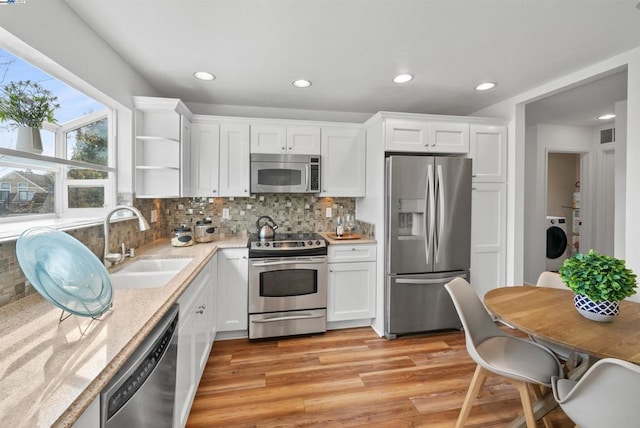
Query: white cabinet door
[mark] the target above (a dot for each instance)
(201, 328)
(351, 291)
(343, 162)
(234, 159)
(488, 149)
(205, 159)
(233, 289)
(406, 135)
(449, 137)
(488, 236)
(213, 298)
(303, 140)
(268, 139)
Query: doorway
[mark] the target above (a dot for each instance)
(563, 196)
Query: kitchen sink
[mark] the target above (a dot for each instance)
(155, 265)
(148, 273)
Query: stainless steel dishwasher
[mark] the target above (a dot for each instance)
(142, 393)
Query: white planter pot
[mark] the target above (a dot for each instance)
(29, 140)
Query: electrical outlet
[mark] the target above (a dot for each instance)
(154, 216)
(225, 213)
(328, 212)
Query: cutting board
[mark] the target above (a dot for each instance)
(344, 237)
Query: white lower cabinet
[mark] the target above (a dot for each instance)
(351, 282)
(194, 342)
(233, 289)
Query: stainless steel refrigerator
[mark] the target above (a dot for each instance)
(428, 236)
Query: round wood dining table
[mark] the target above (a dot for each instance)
(549, 313)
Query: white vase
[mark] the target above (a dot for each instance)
(29, 140)
(604, 311)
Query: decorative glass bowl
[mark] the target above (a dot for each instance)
(64, 271)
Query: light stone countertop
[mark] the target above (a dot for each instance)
(50, 371)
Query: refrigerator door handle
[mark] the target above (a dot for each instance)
(430, 213)
(426, 281)
(442, 214)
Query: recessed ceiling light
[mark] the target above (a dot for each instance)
(485, 86)
(301, 83)
(606, 116)
(203, 75)
(402, 78)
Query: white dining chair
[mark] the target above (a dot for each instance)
(553, 280)
(606, 396)
(520, 361)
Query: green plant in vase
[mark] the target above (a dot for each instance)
(27, 105)
(599, 283)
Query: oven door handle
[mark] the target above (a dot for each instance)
(288, 318)
(287, 262)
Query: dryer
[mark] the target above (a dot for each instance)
(557, 242)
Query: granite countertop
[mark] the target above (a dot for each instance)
(51, 371)
(331, 239)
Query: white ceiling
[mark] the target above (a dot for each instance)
(351, 49)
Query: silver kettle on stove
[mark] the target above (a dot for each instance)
(267, 229)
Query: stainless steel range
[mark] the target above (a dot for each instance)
(287, 285)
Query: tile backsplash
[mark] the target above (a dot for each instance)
(292, 213)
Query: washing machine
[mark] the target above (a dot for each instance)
(557, 242)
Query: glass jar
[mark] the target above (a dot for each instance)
(204, 230)
(182, 237)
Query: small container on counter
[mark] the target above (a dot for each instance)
(182, 237)
(204, 230)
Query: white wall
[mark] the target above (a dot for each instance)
(513, 110)
(620, 180)
(49, 35)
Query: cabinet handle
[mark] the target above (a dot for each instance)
(474, 188)
(214, 191)
(284, 148)
(200, 311)
(290, 148)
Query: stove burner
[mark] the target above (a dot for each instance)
(287, 244)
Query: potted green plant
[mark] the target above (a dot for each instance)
(599, 282)
(27, 104)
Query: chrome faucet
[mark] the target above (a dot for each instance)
(113, 258)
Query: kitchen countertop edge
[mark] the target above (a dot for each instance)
(156, 304)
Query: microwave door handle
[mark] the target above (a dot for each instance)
(307, 182)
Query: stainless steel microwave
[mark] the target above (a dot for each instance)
(274, 173)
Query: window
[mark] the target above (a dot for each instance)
(72, 173)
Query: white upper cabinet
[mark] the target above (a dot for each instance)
(343, 162)
(488, 150)
(285, 139)
(234, 159)
(423, 135)
(205, 159)
(162, 148)
(449, 137)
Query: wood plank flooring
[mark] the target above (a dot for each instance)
(347, 378)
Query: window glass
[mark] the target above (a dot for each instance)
(33, 192)
(76, 131)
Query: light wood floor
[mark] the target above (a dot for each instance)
(348, 378)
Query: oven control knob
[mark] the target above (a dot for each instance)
(258, 244)
(266, 244)
(317, 242)
(310, 243)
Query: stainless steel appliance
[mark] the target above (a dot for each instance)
(267, 229)
(287, 285)
(428, 232)
(142, 393)
(273, 173)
